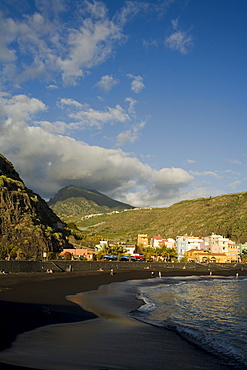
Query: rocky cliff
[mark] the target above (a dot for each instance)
(28, 227)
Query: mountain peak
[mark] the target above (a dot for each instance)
(73, 200)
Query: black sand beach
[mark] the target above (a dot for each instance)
(32, 300)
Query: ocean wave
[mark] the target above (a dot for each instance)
(210, 343)
(209, 312)
(148, 305)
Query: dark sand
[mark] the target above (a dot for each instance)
(32, 300)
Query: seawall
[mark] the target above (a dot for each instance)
(69, 266)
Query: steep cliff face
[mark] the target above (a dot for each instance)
(28, 227)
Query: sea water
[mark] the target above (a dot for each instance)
(209, 312)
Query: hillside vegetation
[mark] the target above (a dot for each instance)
(73, 201)
(225, 215)
(28, 227)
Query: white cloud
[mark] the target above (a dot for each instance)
(179, 40)
(232, 172)
(89, 46)
(130, 135)
(34, 51)
(83, 115)
(46, 45)
(191, 161)
(70, 102)
(150, 43)
(47, 161)
(52, 87)
(234, 184)
(132, 102)
(162, 188)
(57, 127)
(136, 85)
(19, 107)
(206, 173)
(234, 161)
(107, 82)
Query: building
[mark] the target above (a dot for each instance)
(158, 241)
(170, 243)
(242, 249)
(103, 245)
(142, 240)
(219, 244)
(185, 243)
(130, 249)
(79, 253)
(233, 252)
(204, 256)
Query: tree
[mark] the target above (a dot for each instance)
(9, 252)
(148, 252)
(119, 250)
(166, 252)
(244, 255)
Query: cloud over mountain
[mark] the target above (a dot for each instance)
(49, 162)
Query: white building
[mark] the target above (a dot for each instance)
(103, 244)
(158, 241)
(185, 243)
(130, 249)
(219, 244)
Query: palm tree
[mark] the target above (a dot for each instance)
(148, 252)
(167, 252)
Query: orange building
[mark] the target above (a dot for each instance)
(79, 253)
(142, 240)
(205, 256)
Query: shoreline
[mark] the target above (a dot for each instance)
(34, 300)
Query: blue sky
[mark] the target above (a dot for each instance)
(144, 101)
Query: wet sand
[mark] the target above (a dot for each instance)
(33, 300)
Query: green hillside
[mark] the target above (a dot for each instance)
(28, 227)
(225, 215)
(73, 201)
